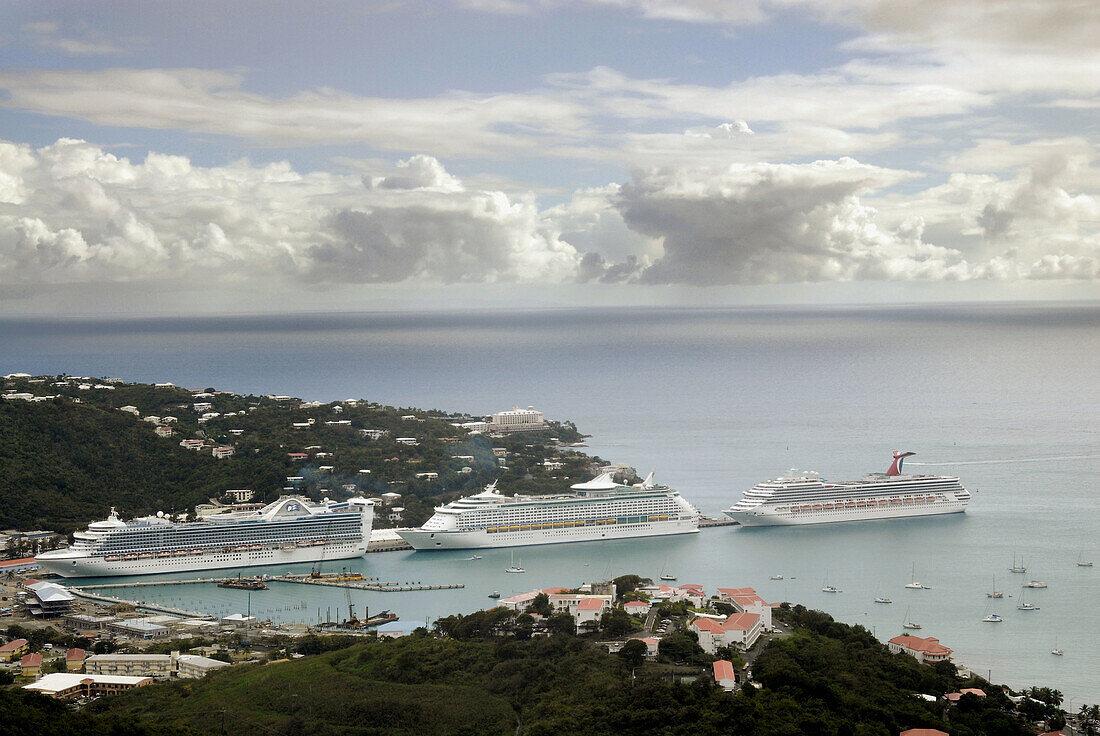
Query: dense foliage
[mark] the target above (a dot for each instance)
(68, 459)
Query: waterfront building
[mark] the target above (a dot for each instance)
(69, 686)
(517, 420)
(746, 600)
(924, 650)
(46, 600)
(739, 629)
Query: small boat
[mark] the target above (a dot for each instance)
(994, 593)
(913, 584)
(830, 589)
(1025, 606)
(908, 623)
(1035, 584)
(1017, 568)
(883, 600)
(1083, 562)
(495, 594)
(1056, 651)
(992, 619)
(777, 577)
(476, 557)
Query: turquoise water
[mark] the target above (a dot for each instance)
(716, 400)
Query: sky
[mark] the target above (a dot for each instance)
(401, 154)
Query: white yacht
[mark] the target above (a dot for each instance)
(802, 497)
(292, 529)
(595, 510)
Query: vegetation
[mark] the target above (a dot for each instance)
(484, 674)
(67, 459)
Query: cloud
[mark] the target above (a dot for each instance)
(73, 212)
(46, 35)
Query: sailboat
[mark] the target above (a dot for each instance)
(1017, 568)
(826, 588)
(1024, 605)
(513, 567)
(1056, 651)
(909, 623)
(913, 581)
(994, 593)
(883, 600)
(665, 574)
(1082, 562)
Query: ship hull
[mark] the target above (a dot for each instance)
(769, 515)
(92, 566)
(422, 539)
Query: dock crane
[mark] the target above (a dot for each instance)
(353, 622)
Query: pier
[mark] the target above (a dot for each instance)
(377, 587)
(138, 604)
(706, 522)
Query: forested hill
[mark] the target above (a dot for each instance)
(828, 679)
(66, 460)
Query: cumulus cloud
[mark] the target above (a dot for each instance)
(75, 212)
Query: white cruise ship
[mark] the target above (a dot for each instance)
(292, 529)
(801, 497)
(598, 509)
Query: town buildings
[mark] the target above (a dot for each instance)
(69, 685)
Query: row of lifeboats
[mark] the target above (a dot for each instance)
(857, 504)
(165, 553)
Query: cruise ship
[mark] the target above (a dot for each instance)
(292, 529)
(595, 510)
(801, 497)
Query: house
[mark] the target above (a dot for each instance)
(164, 431)
(69, 686)
(192, 444)
(924, 650)
(739, 629)
(13, 650)
(410, 441)
(168, 420)
(130, 410)
(636, 608)
(152, 419)
(582, 606)
(395, 513)
(724, 676)
(297, 455)
(549, 464)
(30, 665)
(223, 451)
(520, 601)
(590, 610)
(746, 600)
(651, 645)
(301, 425)
(374, 434)
(390, 498)
(955, 697)
(74, 660)
(240, 495)
(923, 732)
(428, 476)
(202, 407)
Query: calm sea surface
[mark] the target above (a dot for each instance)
(1007, 397)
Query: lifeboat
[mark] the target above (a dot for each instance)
(130, 557)
(111, 558)
(303, 543)
(828, 506)
(317, 542)
(196, 551)
(288, 548)
(256, 546)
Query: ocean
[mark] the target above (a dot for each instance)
(715, 400)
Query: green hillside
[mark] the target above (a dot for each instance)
(64, 461)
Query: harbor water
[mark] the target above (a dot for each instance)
(1006, 397)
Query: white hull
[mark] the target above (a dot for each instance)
(87, 567)
(767, 515)
(480, 539)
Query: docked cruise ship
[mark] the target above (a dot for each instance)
(292, 529)
(801, 497)
(598, 509)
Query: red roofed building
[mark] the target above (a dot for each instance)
(74, 659)
(723, 675)
(923, 732)
(13, 650)
(590, 609)
(636, 607)
(927, 651)
(739, 629)
(651, 644)
(31, 664)
(746, 600)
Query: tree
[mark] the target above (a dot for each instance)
(629, 583)
(634, 652)
(616, 622)
(541, 605)
(561, 623)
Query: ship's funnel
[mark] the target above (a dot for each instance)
(899, 458)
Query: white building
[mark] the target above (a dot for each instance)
(164, 431)
(927, 651)
(130, 410)
(223, 451)
(70, 685)
(374, 434)
(192, 444)
(517, 420)
(410, 441)
(746, 600)
(240, 495)
(390, 498)
(194, 665)
(741, 630)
